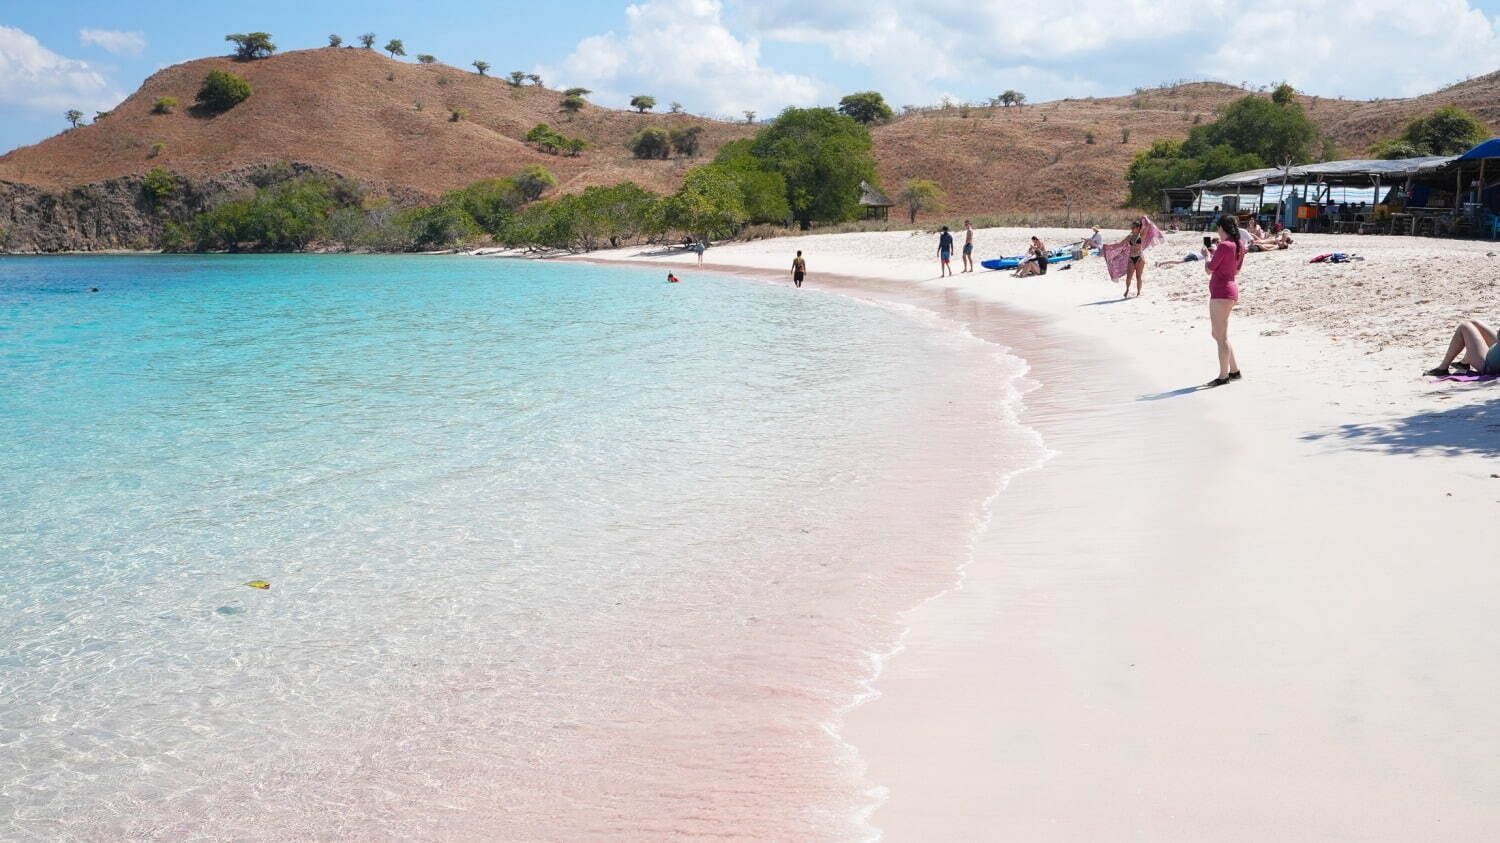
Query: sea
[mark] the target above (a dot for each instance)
(555, 550)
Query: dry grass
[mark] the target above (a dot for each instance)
(356, 112)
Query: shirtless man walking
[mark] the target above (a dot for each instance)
(968, 247)
(799, 269)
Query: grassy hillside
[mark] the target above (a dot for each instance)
(356, 112)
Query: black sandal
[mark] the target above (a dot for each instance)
(1217, 382)
(1439, 372)
(1235, 375)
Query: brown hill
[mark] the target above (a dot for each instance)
(358, 113)
(385, 122)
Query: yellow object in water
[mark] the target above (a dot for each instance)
(260, 584)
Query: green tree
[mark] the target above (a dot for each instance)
(256, 45)
(367, 40)
(675, 107)
(1396, 148)
(867, 107)
(708, 206)
(749, 118)
(642, 103)
(438, 226)
(517, 77)
(481, 66)
(1271, 132)
(74, 117)
(651, 142)
(335, 40)
(163, 105)
(823, 155)
(395, 47)
(426, 58)
(222, 91)
(921, 195)
(534, 79)
(686, 141)
(158, 185)
(490, 203)
(575, 146)
(571, 104)
(533, 181)
(1447, 131)
(100, 115)
(1284, 94)
(577, 92)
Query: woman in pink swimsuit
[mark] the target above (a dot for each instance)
(1222, 269)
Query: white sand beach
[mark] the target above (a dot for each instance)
(1263, 611)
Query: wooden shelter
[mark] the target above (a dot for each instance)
(876, 204)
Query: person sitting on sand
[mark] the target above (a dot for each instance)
(1036, 260)
(1256, 232)
(1202, 254)
(1477, 343)
(1094, 241)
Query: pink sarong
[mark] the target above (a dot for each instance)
(1117, 255)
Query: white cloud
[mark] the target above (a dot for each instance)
(682, 50)
(113, 40)
(1374, 48)
(1087, 47)
(32, 76)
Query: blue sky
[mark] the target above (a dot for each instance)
(722, 57)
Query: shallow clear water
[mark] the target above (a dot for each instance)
(556, 550)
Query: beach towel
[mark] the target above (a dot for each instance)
(1117, 255)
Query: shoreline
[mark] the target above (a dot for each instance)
(1182, 626)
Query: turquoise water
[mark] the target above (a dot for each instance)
(556, 550)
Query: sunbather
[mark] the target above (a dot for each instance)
(1476, 342)
(1202, 254)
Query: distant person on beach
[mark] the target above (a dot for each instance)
(1036, 259)
(672, 279)
(1476, 341)
(1223, 293)
(945, 252)
(699, 248)
(1136, 240)
(1094, 241)
(799, 269)
(1202, 254)
(968, 247)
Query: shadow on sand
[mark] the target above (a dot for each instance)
(1186, 390)
(1103, 301)
(1466, 430)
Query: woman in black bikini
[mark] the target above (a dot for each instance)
(1137, 267)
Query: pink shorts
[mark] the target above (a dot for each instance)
(1227, 290)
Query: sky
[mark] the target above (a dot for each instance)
(725, 57)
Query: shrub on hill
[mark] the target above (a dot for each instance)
(367, 40)
(395, 47)
(651, 142)
(480, 66)
(867, 107)
(548, 140)
(426, 58)
(222, 91)
(571, 104)
(73, 116)
(163, 105)
(1446, 131)
(642, 103)
(158, 185)
(686, 141)
(335, 40)
(256, 45)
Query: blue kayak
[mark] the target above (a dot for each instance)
(1054, 256)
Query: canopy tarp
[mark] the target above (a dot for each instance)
(1488, 149)
(1359, 170)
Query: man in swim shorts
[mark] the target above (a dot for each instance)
(968, 247)
(945, 252)
(799, 269)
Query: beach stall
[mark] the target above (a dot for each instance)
(1464, 195)
(1354, 196)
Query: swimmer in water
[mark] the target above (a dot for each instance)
(672, 279)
